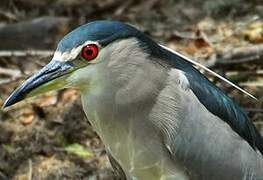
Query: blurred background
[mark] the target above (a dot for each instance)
(48, 137)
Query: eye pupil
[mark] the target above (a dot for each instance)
(89, 52)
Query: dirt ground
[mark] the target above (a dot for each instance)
(48, 137)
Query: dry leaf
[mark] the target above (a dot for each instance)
(26, 117)
(78, 150)
(201, 43)
(69, 95)
(48, 100)
(254, 33)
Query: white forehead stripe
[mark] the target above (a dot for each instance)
(72, 54)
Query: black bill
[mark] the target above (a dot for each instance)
(48, 78)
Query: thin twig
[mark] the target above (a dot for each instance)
(20, 53)
(8, 15)
(237, 56)
(256, 110)
(252, 84)
(185, 35)
(10, 72)
(244, 52)
(10, 80)
(247, 59)
(235, 73)
(30, 171)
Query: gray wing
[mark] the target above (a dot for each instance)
(120, 175)
(205, 145)
(216, 101)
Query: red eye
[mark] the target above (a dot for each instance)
(89, 52)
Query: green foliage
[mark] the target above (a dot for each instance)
(8, 148)
(78, 150)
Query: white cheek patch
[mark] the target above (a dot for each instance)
(72, 54)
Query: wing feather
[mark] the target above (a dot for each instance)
(215, 100)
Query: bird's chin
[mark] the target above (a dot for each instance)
(55, 84)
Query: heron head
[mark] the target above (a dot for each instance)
(77, 58)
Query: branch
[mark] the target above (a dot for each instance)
(10, 72)
(40, 33)
(21, 53)
(237, 56)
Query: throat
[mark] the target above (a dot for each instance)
(129, 135)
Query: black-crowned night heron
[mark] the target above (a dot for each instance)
(157, 115)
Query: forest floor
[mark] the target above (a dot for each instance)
(48, 137)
